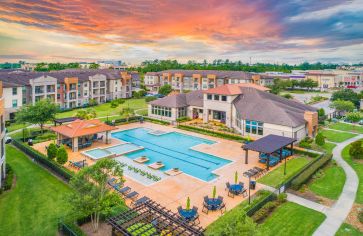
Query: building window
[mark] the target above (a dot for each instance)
(182, 112)
(15, 91)
(15, 103)
(254, 127)
(39, 89)
(216, 97)
(24, 101)
(161, 111)
(224, 98)
(209, 96)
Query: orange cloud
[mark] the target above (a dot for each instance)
(148, 21)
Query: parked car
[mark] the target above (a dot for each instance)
(360, 122)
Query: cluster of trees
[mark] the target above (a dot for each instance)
(348, 95)
(165, 89)
(55, 66)
(280, 85)
(60, 154)
(158, 65)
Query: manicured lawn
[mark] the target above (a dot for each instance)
(329, 183)
(358, 167)
(277, 177)
(223, 221)
(348, 230)
(14, 126)
(292, 219)
(105, 109)
(347, 127)
(37, 201)
(337, 137)
(327, 147)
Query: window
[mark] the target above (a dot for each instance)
(216, 97)
(161, 111)
(39, 89)
(24, 101)
(209, 96)
(15, 91)
(182, 112)
(15, 103)
(254, 127)
(224, 98)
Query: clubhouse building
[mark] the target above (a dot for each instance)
(248, 108)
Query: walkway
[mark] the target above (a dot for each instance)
(337, 214)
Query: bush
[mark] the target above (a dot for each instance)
(212, 133)
(265, 211)
(304, 144)
(320, 139)
(62, 155)
(149, 99)
(360, 216)
(282, 197)
(8, 183)
(114, 104)
(160, 122)
(52, 151)
(183, 119)
(356, 150)
(305, 175)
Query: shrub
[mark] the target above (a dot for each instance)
(52, 151)
(265, 211)
(212, 133)
(320, 139)
(304, 144)
(114, 104)
(360, 216)
(183, 119)
(356, 150)
(309, 171)
(149, 99)
(282, 197)
(62, 155)
(9, 177)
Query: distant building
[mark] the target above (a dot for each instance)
(2, 137)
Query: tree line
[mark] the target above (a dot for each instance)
(159, 65)
(61, 66)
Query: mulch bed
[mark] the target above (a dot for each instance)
(352, 218)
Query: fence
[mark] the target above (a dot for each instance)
(43, 160)
(68, 230)
(252, 210)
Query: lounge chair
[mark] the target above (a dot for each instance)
(111, 181)
(132, 195)
(123, 190)
(140, 201)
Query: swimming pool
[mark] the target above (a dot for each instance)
(113, 151)
(174, 150)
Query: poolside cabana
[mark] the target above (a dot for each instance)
(150, 218)
(81, 133)
(268, 145)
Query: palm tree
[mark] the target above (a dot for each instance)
(86, 114)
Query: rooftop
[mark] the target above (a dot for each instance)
(234, 89)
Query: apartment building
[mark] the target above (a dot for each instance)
(248, 108)
(200, 79)
(2, 136)
(68, 88)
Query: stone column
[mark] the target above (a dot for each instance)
(75, 144)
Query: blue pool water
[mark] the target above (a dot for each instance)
(174, 150)
(120, 149)
(97, 153)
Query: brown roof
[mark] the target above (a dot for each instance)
(257, 105)
(234, 89)
(80, 128)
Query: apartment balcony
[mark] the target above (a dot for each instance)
(39, 91)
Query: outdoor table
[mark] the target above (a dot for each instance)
(214, 203)
(236, 188)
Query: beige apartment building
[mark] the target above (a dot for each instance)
(68, 88)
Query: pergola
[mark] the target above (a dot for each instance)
(80, 130)
(150, 218)
(268, 145)
(60, 121)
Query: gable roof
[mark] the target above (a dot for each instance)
(194, 98)
(234, 89)
(261, 106)
(80, 128)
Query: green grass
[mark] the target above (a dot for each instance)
(105, 109)
(14, 126)
(346, 127)
(337, 137)
(231, 214)
(358, 167)
(277, 177)
(292, 219)
(327, 147)
(348, 230)
(36, 202)
(330, 183)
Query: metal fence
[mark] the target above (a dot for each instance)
(65, 230)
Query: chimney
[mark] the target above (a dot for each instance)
(311, 118)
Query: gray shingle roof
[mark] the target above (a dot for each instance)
(265, 107)
(194, 98)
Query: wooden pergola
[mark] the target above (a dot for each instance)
(268, 145)
(80, 130)
(150, 218)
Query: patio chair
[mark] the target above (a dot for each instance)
(223, 205)
(132, 195)
(228, 185)
(140, 201)
(196, 215)
(111, 181)
(100, 138)
(206, 207)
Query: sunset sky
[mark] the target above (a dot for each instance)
(290, 31)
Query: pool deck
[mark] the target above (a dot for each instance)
(173, 191)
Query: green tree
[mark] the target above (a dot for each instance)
(356, 150)
(86, 114)
(288, 96)
(94, 66)
(165, 89)
(91, 196)
(92, 102)
(342, 106)
(127, 112)
(354, 116)
(62, 155)
(320, 139)
(346, 95)
(321, 112)
(39, 113)
(52, 151)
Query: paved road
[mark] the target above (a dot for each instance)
(325, 105)
(337, 214)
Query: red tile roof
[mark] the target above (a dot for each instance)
(80, 128)
(234, 89)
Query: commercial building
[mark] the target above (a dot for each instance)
(68, 88)
(248, 108)
(2, 136)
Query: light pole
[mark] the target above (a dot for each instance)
(249, 189)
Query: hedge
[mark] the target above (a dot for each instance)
(8, 183)
(123, 120)
(156, 121)
(42, 159)
(70, 228)
(305, 175)
(307, 153)
(212, 133)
